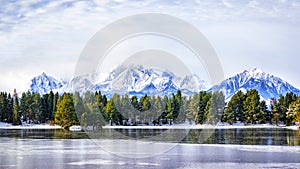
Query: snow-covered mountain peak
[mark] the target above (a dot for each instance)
(133, 79)
(267, 85)
(139, 80)
(194, 83)
(44, 84)
(255, 71)
(44, 74)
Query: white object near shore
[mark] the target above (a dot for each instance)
(292, 127)
(75, 128)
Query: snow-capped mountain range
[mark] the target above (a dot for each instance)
(267, 85)
(138, 80)
(132, 80)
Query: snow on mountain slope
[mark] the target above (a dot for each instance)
(133, 80)
(193, 83)
(43, 84)
(80, 84)
(138, 80)
(268, 86)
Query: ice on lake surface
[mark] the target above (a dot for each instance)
(53, 151)
(83, 153)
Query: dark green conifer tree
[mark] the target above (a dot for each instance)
(251, 106)
(16, 113)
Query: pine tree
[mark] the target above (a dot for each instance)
(88, 109)
(288, 100)
(101, 101)
(293, 113)
(24, 107)
(263, 114)
(28, 107)
(55, 100)
(50, 100)
(215, 108)
(94, 115)
(251, 106)
(145, 107)
(16, 113)
(158, 109)
(118, 117)
(184, 108)
(4, 108)
(230, 112)
(126, 109)
(176, 103)
(1, 106)
(65, 115)
(134, 102)
(281, 108)
(193, 108)
(9, 109)
(204, 98)
(180, 114)
(234, 110)
(168, 110)
(79, 108)
(274, 113)
(146, 103)
(134, 108)
(44, 109)
(111, 111)
(36, 108)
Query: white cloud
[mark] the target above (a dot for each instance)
(37, 36)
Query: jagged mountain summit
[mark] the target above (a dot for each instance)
(80, 84)
(132, 80)
(138, 80)
(43, 84)
(267, 85)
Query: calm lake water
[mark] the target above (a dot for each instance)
(222, 148)
(249, 136)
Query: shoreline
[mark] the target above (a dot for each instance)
(186, 127)
(199, 127)
(33, 126)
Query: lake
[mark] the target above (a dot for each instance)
(135, 148)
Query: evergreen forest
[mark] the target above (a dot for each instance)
(96, 109)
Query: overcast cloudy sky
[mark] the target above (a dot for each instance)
(48, 36)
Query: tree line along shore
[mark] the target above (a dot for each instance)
(96, 109)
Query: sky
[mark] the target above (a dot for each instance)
(48, 36)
